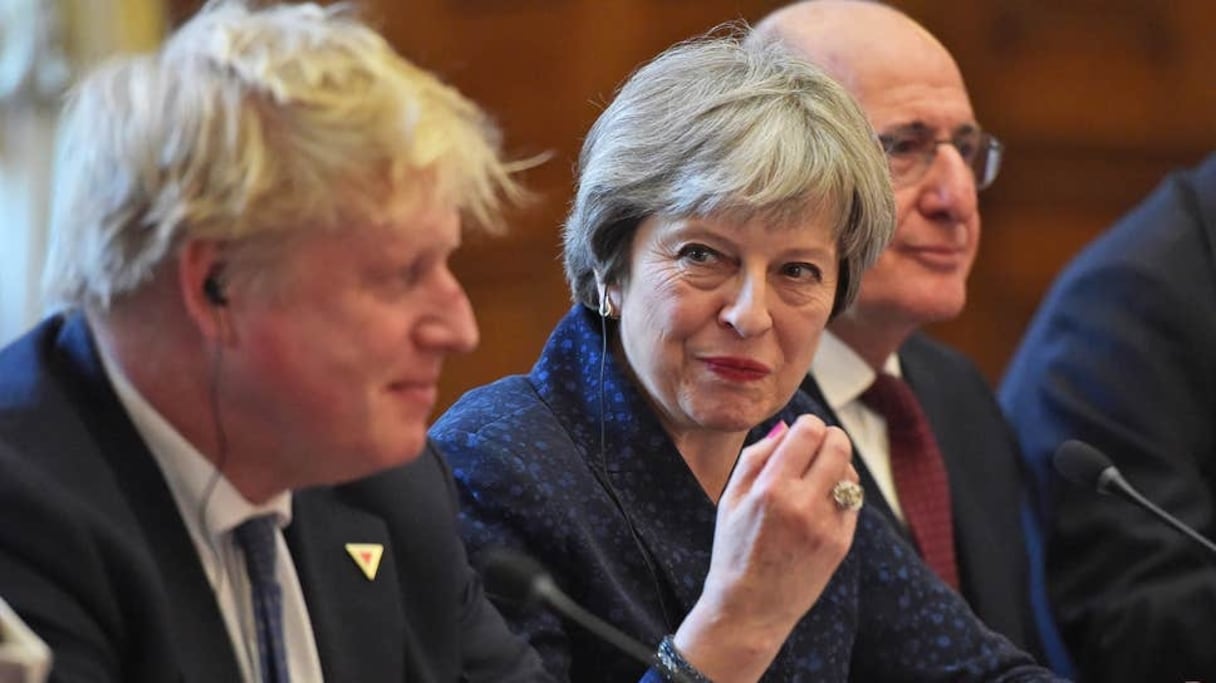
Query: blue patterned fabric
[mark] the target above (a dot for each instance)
(627, 531)
(256, 538)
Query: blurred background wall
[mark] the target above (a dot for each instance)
(44, 46)
(1095, 100)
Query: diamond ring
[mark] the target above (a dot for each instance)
(847, 495)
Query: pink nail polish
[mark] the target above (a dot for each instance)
(777, 430)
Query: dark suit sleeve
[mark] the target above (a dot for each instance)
(1123, 356)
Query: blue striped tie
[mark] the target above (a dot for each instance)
(257, 539)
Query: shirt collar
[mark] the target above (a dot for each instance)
(842, 375)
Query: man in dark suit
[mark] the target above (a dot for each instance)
(1122, 355)
(960, 500)
(218, 466)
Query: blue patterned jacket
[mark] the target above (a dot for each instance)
(627, 531)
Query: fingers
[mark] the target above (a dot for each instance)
(808, 440)
(808, 448)
(810, 453)
(832, 471)
(834, 460)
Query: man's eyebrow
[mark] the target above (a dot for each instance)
(967, 128)
(912, 129)
(921, 129)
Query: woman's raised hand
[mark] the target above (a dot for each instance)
(780, 536)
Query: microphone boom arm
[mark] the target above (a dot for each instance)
(551, 594)
(1112, 481)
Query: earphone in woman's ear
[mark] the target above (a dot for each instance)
(607, 307)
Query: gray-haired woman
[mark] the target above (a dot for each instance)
(728, 201)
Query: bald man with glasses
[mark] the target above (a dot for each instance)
(934, 452)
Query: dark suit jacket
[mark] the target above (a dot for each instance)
(1122, 354)
(95, 557)
(628, 532)
(986, 485)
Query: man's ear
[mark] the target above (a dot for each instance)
(203, 290)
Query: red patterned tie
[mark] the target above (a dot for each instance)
(919, 473)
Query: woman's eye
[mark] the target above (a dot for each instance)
(698, 253)
(802, 271)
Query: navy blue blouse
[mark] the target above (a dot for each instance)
(570, 465)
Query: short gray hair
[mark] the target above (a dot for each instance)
(723, 125)
(248, 123)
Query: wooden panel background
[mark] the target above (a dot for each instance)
(1096, 100)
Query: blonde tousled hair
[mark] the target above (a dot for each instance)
(250, 122)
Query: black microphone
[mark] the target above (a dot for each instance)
(513, 576)
(1087, 466)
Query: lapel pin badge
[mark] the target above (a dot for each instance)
(367, 556)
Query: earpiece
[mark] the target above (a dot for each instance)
(607, 309)
(214, 291)
(603, 299)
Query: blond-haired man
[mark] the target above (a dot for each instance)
(221, 471)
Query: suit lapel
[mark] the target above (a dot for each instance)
(204, 646)
(358, 622)
(668, 513)
(670, 519)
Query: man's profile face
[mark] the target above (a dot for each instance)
(341, 361)
(922, 276)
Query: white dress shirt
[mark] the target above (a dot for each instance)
(211, 509)
(843, 376)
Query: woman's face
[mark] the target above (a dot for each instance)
(720, 318)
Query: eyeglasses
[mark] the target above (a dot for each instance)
(911, 150)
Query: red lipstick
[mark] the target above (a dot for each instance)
(737, 369)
